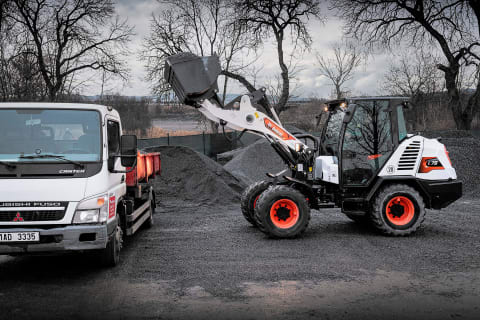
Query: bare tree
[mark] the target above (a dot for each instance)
(414, 73)
(280, 18)
(72, 36)
(452, 25)
(340, 68)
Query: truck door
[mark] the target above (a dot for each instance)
(367, 143)
(116, 180)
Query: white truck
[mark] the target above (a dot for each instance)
(70, 181)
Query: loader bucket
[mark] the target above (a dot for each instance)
(192, 78)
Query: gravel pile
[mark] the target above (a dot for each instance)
(189, 175)
(253, 162)
(223, 158)
(464, 155)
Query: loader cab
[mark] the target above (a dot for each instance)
(362, 133)
(372, 130)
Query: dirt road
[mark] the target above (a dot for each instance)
(200, 263)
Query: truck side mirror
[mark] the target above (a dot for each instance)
(128, 150)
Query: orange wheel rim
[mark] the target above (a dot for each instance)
(400, 211)
(255, 201)
(284, 213)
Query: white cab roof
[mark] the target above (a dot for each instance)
(53, 105)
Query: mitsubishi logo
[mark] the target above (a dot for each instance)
(18, 218)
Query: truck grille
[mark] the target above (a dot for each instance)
(409, 156)
(37, 215)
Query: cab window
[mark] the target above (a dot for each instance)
(332, 132)
(113, 131)
(402, 127)
(367, 143)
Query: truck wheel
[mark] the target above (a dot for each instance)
(110, 256)
(398, 210)
(250, 198)
(149, 222)
(283, 212)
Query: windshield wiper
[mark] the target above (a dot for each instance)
(52, 156)
(8, 164)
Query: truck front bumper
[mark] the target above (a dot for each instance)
(68, 238)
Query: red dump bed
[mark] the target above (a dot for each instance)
(148, 166)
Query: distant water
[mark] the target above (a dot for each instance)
(177, 124)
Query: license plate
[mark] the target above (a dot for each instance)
(19, 237)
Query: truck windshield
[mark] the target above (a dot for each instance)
(71, 134)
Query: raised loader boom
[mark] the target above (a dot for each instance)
(194, 80)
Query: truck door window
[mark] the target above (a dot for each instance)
(113, 131)
(367, 143)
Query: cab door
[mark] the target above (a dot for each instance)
(367, 143)
(116, 180)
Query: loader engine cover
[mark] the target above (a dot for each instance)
(192, 78)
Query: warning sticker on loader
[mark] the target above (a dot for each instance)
(390, 169)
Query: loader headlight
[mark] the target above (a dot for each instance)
(92, 210)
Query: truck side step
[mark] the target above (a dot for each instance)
(132, 217)
(137, 224)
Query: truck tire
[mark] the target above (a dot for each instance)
(283, 212)
(110, 256)
(250, 197)
(149, 222)
(397, 210)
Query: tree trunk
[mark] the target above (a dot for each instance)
(473, 105)
(454, 97)
(282, 102)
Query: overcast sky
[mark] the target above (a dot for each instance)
(310, 83)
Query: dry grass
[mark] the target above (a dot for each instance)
(156, 132)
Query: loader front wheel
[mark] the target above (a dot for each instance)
(283, 212)
(398, 210)
(250, 198)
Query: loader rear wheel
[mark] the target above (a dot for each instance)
(398, 210)
(282, 212)
(250, 198)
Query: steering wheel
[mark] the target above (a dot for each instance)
(75, 151)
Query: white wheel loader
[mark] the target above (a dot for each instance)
(365, 162)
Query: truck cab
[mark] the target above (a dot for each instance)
(63, 174)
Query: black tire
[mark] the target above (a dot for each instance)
(408, 222)
(149, 222)
(288, 200)
(249, 197)
(110, 256)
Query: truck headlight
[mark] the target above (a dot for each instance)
(92, 210)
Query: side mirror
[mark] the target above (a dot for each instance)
(128, 150)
